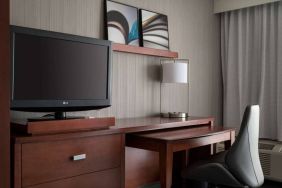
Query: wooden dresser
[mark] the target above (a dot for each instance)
(91, 158)
(85, 159)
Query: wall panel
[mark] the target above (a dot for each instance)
(193, 32)
(136, 91)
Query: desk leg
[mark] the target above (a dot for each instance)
(166, 164)
(180, 162)
(228, 144)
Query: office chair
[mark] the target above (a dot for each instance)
(240, 165)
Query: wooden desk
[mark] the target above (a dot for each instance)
(166, 142)
(134, 125)
(142, 166)
(105, 166)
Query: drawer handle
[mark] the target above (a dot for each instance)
(79, 157)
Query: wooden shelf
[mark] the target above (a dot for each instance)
(62, 126)
(144, 51)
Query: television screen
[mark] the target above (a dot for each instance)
(59, 72)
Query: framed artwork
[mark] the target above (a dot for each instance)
(154, 30)
(122, 23)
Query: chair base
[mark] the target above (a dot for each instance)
(199, 184)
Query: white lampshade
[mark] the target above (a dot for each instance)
(174, 73)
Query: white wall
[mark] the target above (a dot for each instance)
(193, 31)
(227, 5)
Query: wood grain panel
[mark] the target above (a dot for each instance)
(17, 166)
(49, 161)
(145, 162)
(4, 95)
(4, 13)
(141, 167)
(181, 133)
(144, 51)
(102, 179)
(165, 142)
(63, 126)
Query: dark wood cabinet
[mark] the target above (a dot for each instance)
(4, 95)
(102, 179)
(69, 160)
(93, 158)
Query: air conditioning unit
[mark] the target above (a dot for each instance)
(270, 153)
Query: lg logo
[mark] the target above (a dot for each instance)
(65, 102)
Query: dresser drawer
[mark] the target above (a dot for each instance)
(50, 161)
(103, 179)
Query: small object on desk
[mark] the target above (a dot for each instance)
(175, 115)
(174, 71)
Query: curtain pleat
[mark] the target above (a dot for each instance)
(279, 73)
(251, 54)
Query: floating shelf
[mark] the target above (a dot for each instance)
(144, 51)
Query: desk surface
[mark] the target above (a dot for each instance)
(168, 141)
(178, 134)
(131, 125)
(127, 125)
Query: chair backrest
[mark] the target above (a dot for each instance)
(242, 159)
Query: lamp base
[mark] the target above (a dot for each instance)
(175, 115)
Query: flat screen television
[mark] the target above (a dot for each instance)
(56, 72)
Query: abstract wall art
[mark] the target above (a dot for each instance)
(122, 23)
(154, 29)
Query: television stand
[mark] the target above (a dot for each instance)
(60, 115)
(56, 116)
(62, 125)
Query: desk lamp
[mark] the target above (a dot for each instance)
(175, 71)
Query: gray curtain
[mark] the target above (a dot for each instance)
(251, 50)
